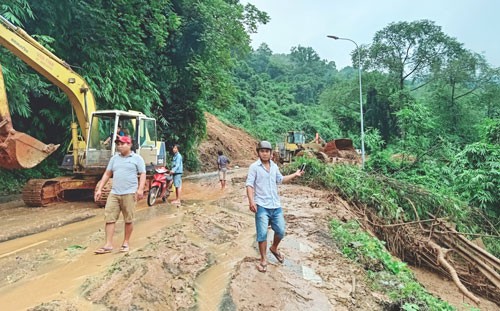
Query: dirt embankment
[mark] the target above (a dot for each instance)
(235, 143)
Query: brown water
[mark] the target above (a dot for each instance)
(61, 278)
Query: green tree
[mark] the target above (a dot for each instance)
(407, 50)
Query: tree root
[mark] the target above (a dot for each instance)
(454, 276)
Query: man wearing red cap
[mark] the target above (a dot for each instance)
(125, 191)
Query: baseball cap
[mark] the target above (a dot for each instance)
(123, 139)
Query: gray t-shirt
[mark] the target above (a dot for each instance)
(222, 161)
(125, 170)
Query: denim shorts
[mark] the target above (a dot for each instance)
(269, 216)
(178, 180)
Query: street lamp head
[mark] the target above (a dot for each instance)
(333, 37)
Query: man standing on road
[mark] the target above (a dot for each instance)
(222, 164)
(262, 192)
(125, 192)
(176, 171)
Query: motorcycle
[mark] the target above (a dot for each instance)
(160, 186)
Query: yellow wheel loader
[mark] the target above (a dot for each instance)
(291, 145)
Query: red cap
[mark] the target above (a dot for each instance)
(123, 139)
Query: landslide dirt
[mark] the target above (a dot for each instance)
(200, 256)
(234, 142)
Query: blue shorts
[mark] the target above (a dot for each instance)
(177, 180)
(269, 216)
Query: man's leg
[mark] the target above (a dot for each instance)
(263, 252)
(178, 192)
(110, 231)
(278, 226)
(111, 214)
(128, 210)
(178, 189)
(129, 227)
(261, 221)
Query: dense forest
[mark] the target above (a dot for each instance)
(432, 109)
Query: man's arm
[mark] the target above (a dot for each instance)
(250, 182)
(288, 178)
(140, 191)
(104, 180)
(251, 202)
(175, 167)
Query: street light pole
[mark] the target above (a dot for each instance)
(360, 98)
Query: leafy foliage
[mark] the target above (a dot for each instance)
(168, 58)
(278, 93)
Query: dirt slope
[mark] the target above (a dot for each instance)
(234, 142)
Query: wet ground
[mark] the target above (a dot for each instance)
(200, 256)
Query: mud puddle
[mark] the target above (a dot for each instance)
(53, 264)
(212, 284)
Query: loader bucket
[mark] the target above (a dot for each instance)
(344, 144)
(19, 150)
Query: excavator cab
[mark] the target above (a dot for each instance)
(107, 125)
(18, 150)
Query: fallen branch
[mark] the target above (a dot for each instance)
(464, 233)
(405, 223)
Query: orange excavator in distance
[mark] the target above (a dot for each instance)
(92, 133)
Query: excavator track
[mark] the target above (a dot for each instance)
(107, 189)
(42, 192)
(104, 193)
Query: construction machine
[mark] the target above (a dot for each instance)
(334, 151)
(93, 133)
(292, 143)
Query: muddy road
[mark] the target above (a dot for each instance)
(200, 256)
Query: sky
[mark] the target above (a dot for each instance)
(308, 22)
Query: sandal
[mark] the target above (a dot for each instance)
(278, 256)
(103, 250)
(124, 248)
(262, 268)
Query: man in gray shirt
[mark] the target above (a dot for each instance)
(262, 192)
(222, 164)
(125, 191)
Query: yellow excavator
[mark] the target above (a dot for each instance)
(92, 133)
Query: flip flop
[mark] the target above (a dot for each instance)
(103, 250)
(262, 268)
(124, 248)
(279, 257)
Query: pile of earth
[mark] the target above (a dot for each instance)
(235, 143)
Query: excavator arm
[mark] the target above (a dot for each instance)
(18, 150)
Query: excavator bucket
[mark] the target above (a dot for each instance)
(18, 150)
